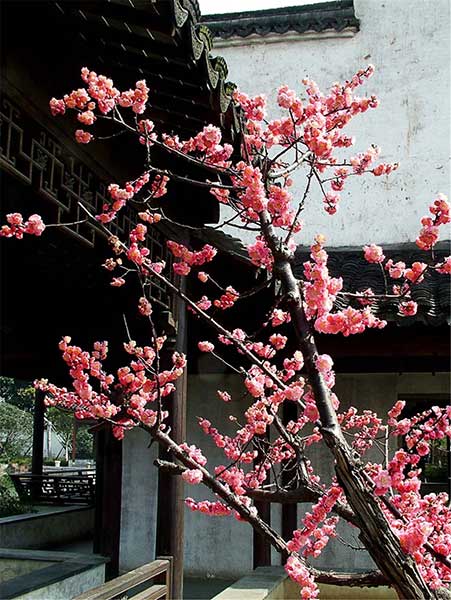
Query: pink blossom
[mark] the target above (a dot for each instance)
(445, 266)
(34, 225)
(278, 341)
(324, 363)
(87, 118)
(144, 307)
(213, 509)
(181, 268)
(278, 317)
(117, 281)
(408, 309)
(192, 476)
(416, 273)
(83, 137)
(382, 482)
(396, 270)
(260, 254)
(17, 227)
(57, 107)
(205, 346)
(228, 299)
(224, 396)
(14, 219)
(204, 303)
(373, 253)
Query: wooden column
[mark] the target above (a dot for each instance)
(37, 459)
(289, 511)
(261, 546)
(171, 507)
(107, 528)
(74, 440)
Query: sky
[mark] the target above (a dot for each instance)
(216, 6)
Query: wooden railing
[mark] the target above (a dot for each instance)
(55, 488)
(141, 578)
(91, 472)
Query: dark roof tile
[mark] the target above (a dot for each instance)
(338, 15)
(433, 295)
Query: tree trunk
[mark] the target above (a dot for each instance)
(375, 532)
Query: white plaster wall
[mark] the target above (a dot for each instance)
(221, 546)
(409, 45)
(139, 501)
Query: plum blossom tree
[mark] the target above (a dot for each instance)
(407, 535)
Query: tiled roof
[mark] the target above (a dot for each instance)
(321, 17)
(162, 41)
(433, 295)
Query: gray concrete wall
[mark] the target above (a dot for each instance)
(11, 567)
(214, 546)
(49, 575)
(41, 530)
(222, 546)
(70, 587)
(139, 501)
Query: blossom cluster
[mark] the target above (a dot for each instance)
(317, 124)
(320, 292)
(429, 233)
(189, 258)
(298, 572)
(312, 538)
(134, 389)
(17, 227)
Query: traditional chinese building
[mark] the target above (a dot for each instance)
(54, 286)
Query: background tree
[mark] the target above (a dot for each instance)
(16, 432)
(63, 424)
(18, 393)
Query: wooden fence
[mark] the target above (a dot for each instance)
(55, 488)
(141, 578)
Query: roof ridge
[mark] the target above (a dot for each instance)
(337, 14)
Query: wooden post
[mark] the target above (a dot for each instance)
(37, 459)
(289, 511)
(74, 440)
(107, 526)
(261, 545)
(170, 518)
(99, 447)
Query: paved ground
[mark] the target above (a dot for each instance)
(203, 589)
(81, 547)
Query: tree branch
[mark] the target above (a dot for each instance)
(368, 579)
(304, 493)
